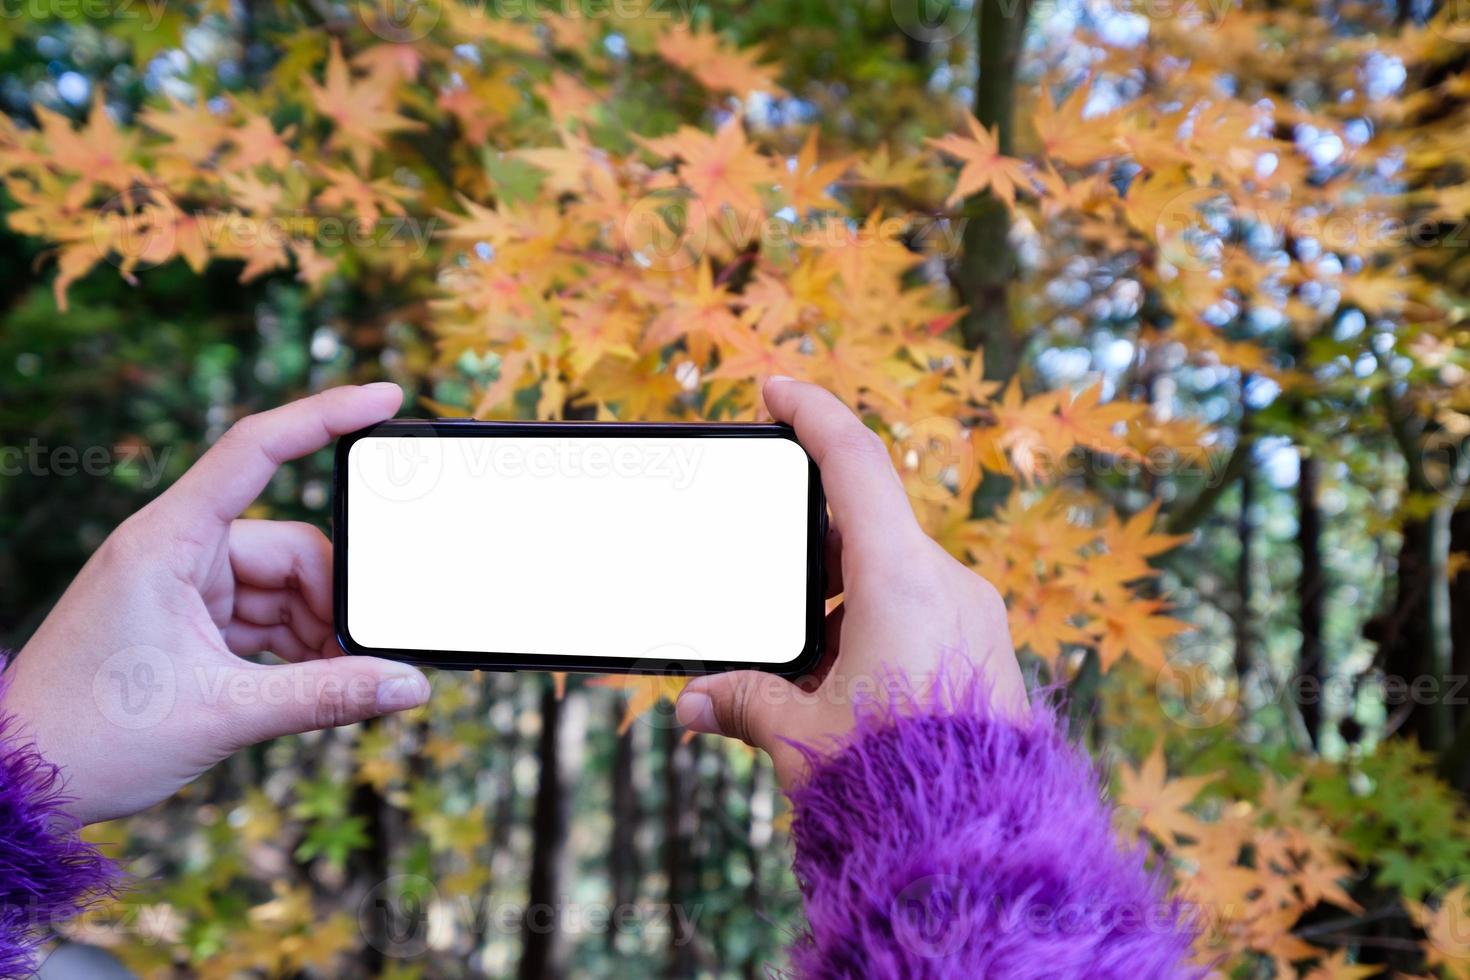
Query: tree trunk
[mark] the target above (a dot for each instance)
(762, 810)
(1244, 592)
(1441, 729)
(1415, 641)
(504, 751)
(563, 726)
(1310, 661)
(1400, 631)
(371, 866)
(1443, 662)
(1455, 764)
(987, 266)
(679, 828)
(623, 847)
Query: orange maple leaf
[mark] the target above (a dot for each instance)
(1336, 967)
(1043, 622)
(1129, 544)
(257, 143)
(721, 170)
(1448, 927)
(1025, 432)
(567, 99)
(194, 131)
(1160, 801)
(1067, 135)
(1083, 421)
(1134, 627)
(718, 66)
(362, 112)
(985, 167)
(806, 182)
(99, 152)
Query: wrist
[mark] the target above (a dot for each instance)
(50, 873)
(26, 727)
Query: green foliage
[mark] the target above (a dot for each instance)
(1407, 826)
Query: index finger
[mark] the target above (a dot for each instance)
(869, 504)
(235, 470)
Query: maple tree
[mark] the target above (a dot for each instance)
(636, 216)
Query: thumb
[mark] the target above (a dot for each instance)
(743, 704)
(314, 694)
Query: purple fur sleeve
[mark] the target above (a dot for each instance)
(944, 842)
(47, 872)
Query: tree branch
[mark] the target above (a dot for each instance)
(1187, 518)
(1406, 435)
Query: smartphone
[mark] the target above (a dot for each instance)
(617, 547)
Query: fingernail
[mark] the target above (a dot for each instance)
(696, 712)
(779, 377)
(380, 386)
(402, 691)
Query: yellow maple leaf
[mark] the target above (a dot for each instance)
(643, 691)
(880, 169)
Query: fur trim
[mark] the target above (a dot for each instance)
(47, 872)
(943, 841)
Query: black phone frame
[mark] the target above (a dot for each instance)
(816, 579)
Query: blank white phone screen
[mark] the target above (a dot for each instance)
(640, 548)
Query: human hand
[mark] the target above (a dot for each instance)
(907, 604)
(134, 684)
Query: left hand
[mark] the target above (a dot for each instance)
(134, 684)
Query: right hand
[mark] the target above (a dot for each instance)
(908, 607)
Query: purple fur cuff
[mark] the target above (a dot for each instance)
(47, 872)
(942, 841)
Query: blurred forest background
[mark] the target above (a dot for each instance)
(1161, 303)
